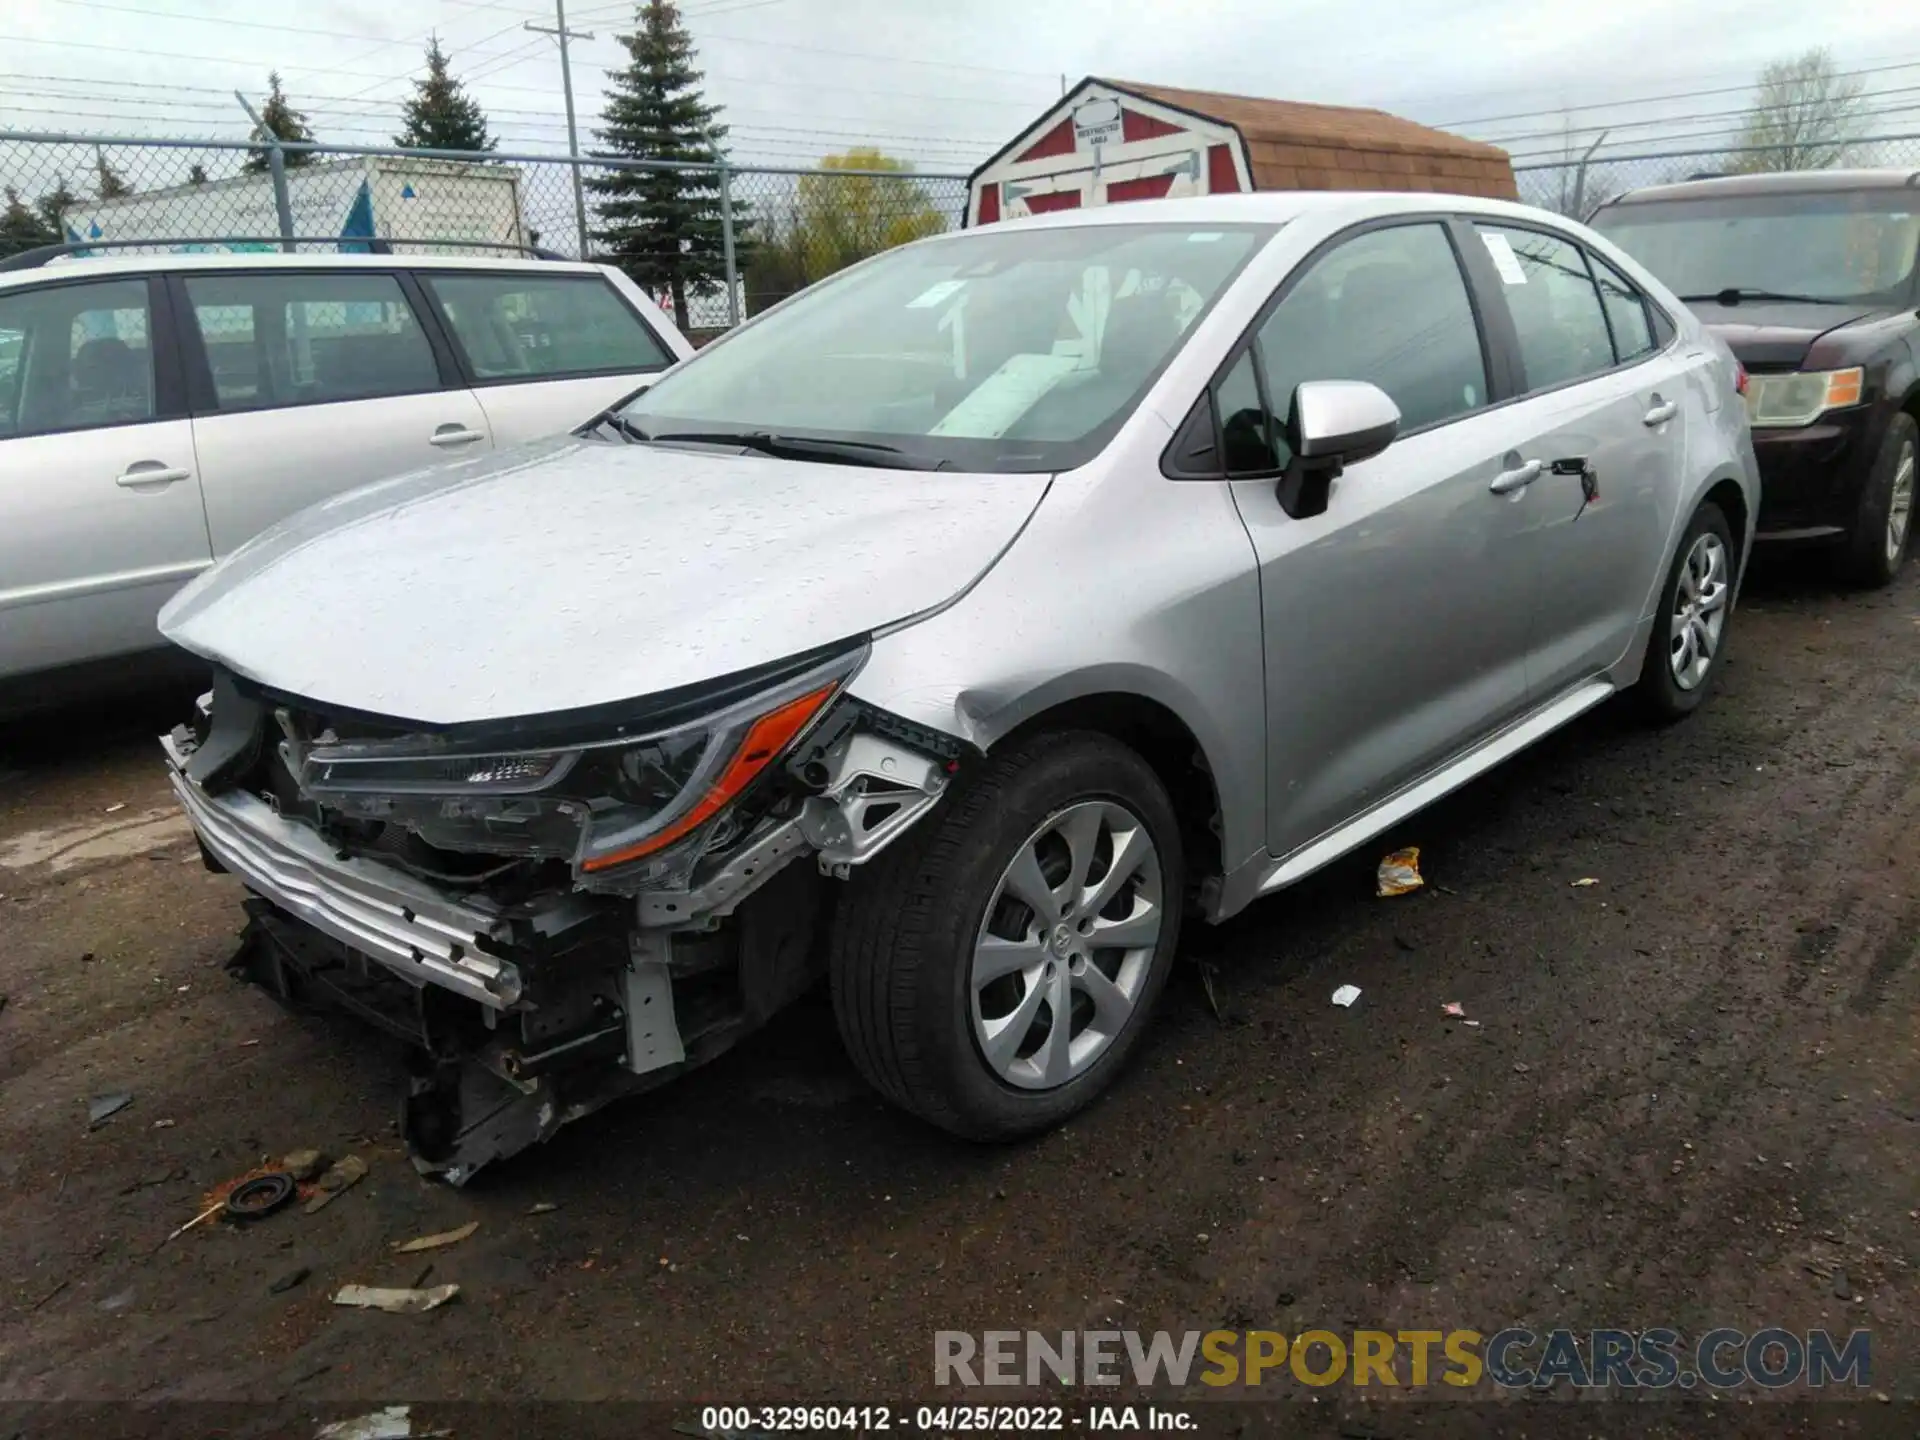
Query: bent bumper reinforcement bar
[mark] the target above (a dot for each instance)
(419, 934)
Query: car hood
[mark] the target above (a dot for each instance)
(1774, 333)
(575, 573)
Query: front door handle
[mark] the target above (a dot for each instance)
(454, 433)
(1508, 481)
(1663, 411)
(150, 472)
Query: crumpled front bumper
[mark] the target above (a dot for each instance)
(416, 931)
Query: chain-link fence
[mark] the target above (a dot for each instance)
(762, 233)
(1574, 186)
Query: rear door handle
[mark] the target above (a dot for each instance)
(1508, 481)
(454, 434)
(1661, 413)
(150, 472)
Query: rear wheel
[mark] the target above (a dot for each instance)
(994, 968)
(1689, 630)
(1882, 532)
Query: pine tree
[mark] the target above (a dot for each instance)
(53, 206)
(662, 226)
(20, 228)
(112, 184)
(197, 174)
(280, 119)
(441, 115)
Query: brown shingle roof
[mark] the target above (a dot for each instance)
(1289, 141)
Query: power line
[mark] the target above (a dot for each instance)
(1867, 98)
(225, 23)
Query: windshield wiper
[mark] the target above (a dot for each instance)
(619, 424)
(801, 447)
(1734, 294)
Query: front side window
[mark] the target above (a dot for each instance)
(1554, 302)
(1389, 307)
(543, 327)
(308, 339)
(992, 350)
(1844, 247)
(74, 357)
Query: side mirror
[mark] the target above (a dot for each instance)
(1333, 424)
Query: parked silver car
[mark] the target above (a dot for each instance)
(158, 410)
(955, 629)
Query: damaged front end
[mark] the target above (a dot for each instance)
(553, 911)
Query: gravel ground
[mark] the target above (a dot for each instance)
(1693, 1100)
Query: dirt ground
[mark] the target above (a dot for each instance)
(1693, 1100)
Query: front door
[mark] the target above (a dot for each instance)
(1397, 621)
(315, 382)
(100, 517)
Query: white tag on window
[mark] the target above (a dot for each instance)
(997, 402)
(934, 294)
(1504, 260)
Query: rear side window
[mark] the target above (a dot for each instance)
(1555, 305)
(302, 339)
(1626, 312)
(541, 327)
(75, 357)
(1389, 307)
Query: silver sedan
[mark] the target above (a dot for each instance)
(958, 630)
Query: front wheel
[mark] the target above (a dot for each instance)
(1877, 546)
(1690, 627)
(993, 969)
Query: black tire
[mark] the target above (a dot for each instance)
(1661, 697)
(903, 939)
(1864, 559)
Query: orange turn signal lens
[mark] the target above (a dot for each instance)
(765, 739)
(1844, 387)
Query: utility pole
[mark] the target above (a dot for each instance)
(559, 30)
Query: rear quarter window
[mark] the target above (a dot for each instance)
(542, 327)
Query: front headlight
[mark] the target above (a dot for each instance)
(602, 806)
(1783, 401)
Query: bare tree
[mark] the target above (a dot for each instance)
(1805, 113)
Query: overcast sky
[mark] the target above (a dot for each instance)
(944, 82)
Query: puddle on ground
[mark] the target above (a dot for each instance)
(65, 846)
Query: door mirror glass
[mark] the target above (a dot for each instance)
(1344, 421)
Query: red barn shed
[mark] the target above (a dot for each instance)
(1113, 140)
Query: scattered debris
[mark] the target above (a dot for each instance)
(118, 1301)
(1455, 1008)
(420, 1279)
(286, 1282)
(436, 1242)
(1206, 984)
(48, 1296)
(543, 1208)
(102, 1106)
(200, 1219)
(1346, 995)
(1841, 1289)
(163, 1124)
(115, 809)
(1474, 1024)
(260, 1195)
(303, 1165)
(1520, 1067)
(395, 1302)
(1584, 881)
(391, 1423)
(341, 1176)
(1400, 872)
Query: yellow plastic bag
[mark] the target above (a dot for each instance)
(1400, 872)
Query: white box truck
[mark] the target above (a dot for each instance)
(410, 203)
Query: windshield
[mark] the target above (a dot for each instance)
(993, 350)
(1854, 246)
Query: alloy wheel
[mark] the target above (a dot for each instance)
(1066, 945)
(1900, 507)
(1699, 611)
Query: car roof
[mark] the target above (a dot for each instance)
(64, 267)
(1275, 207)
(1783, 182)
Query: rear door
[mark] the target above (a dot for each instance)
(1602, 426)
(100, 517)
(544, 350)
(308, 382)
